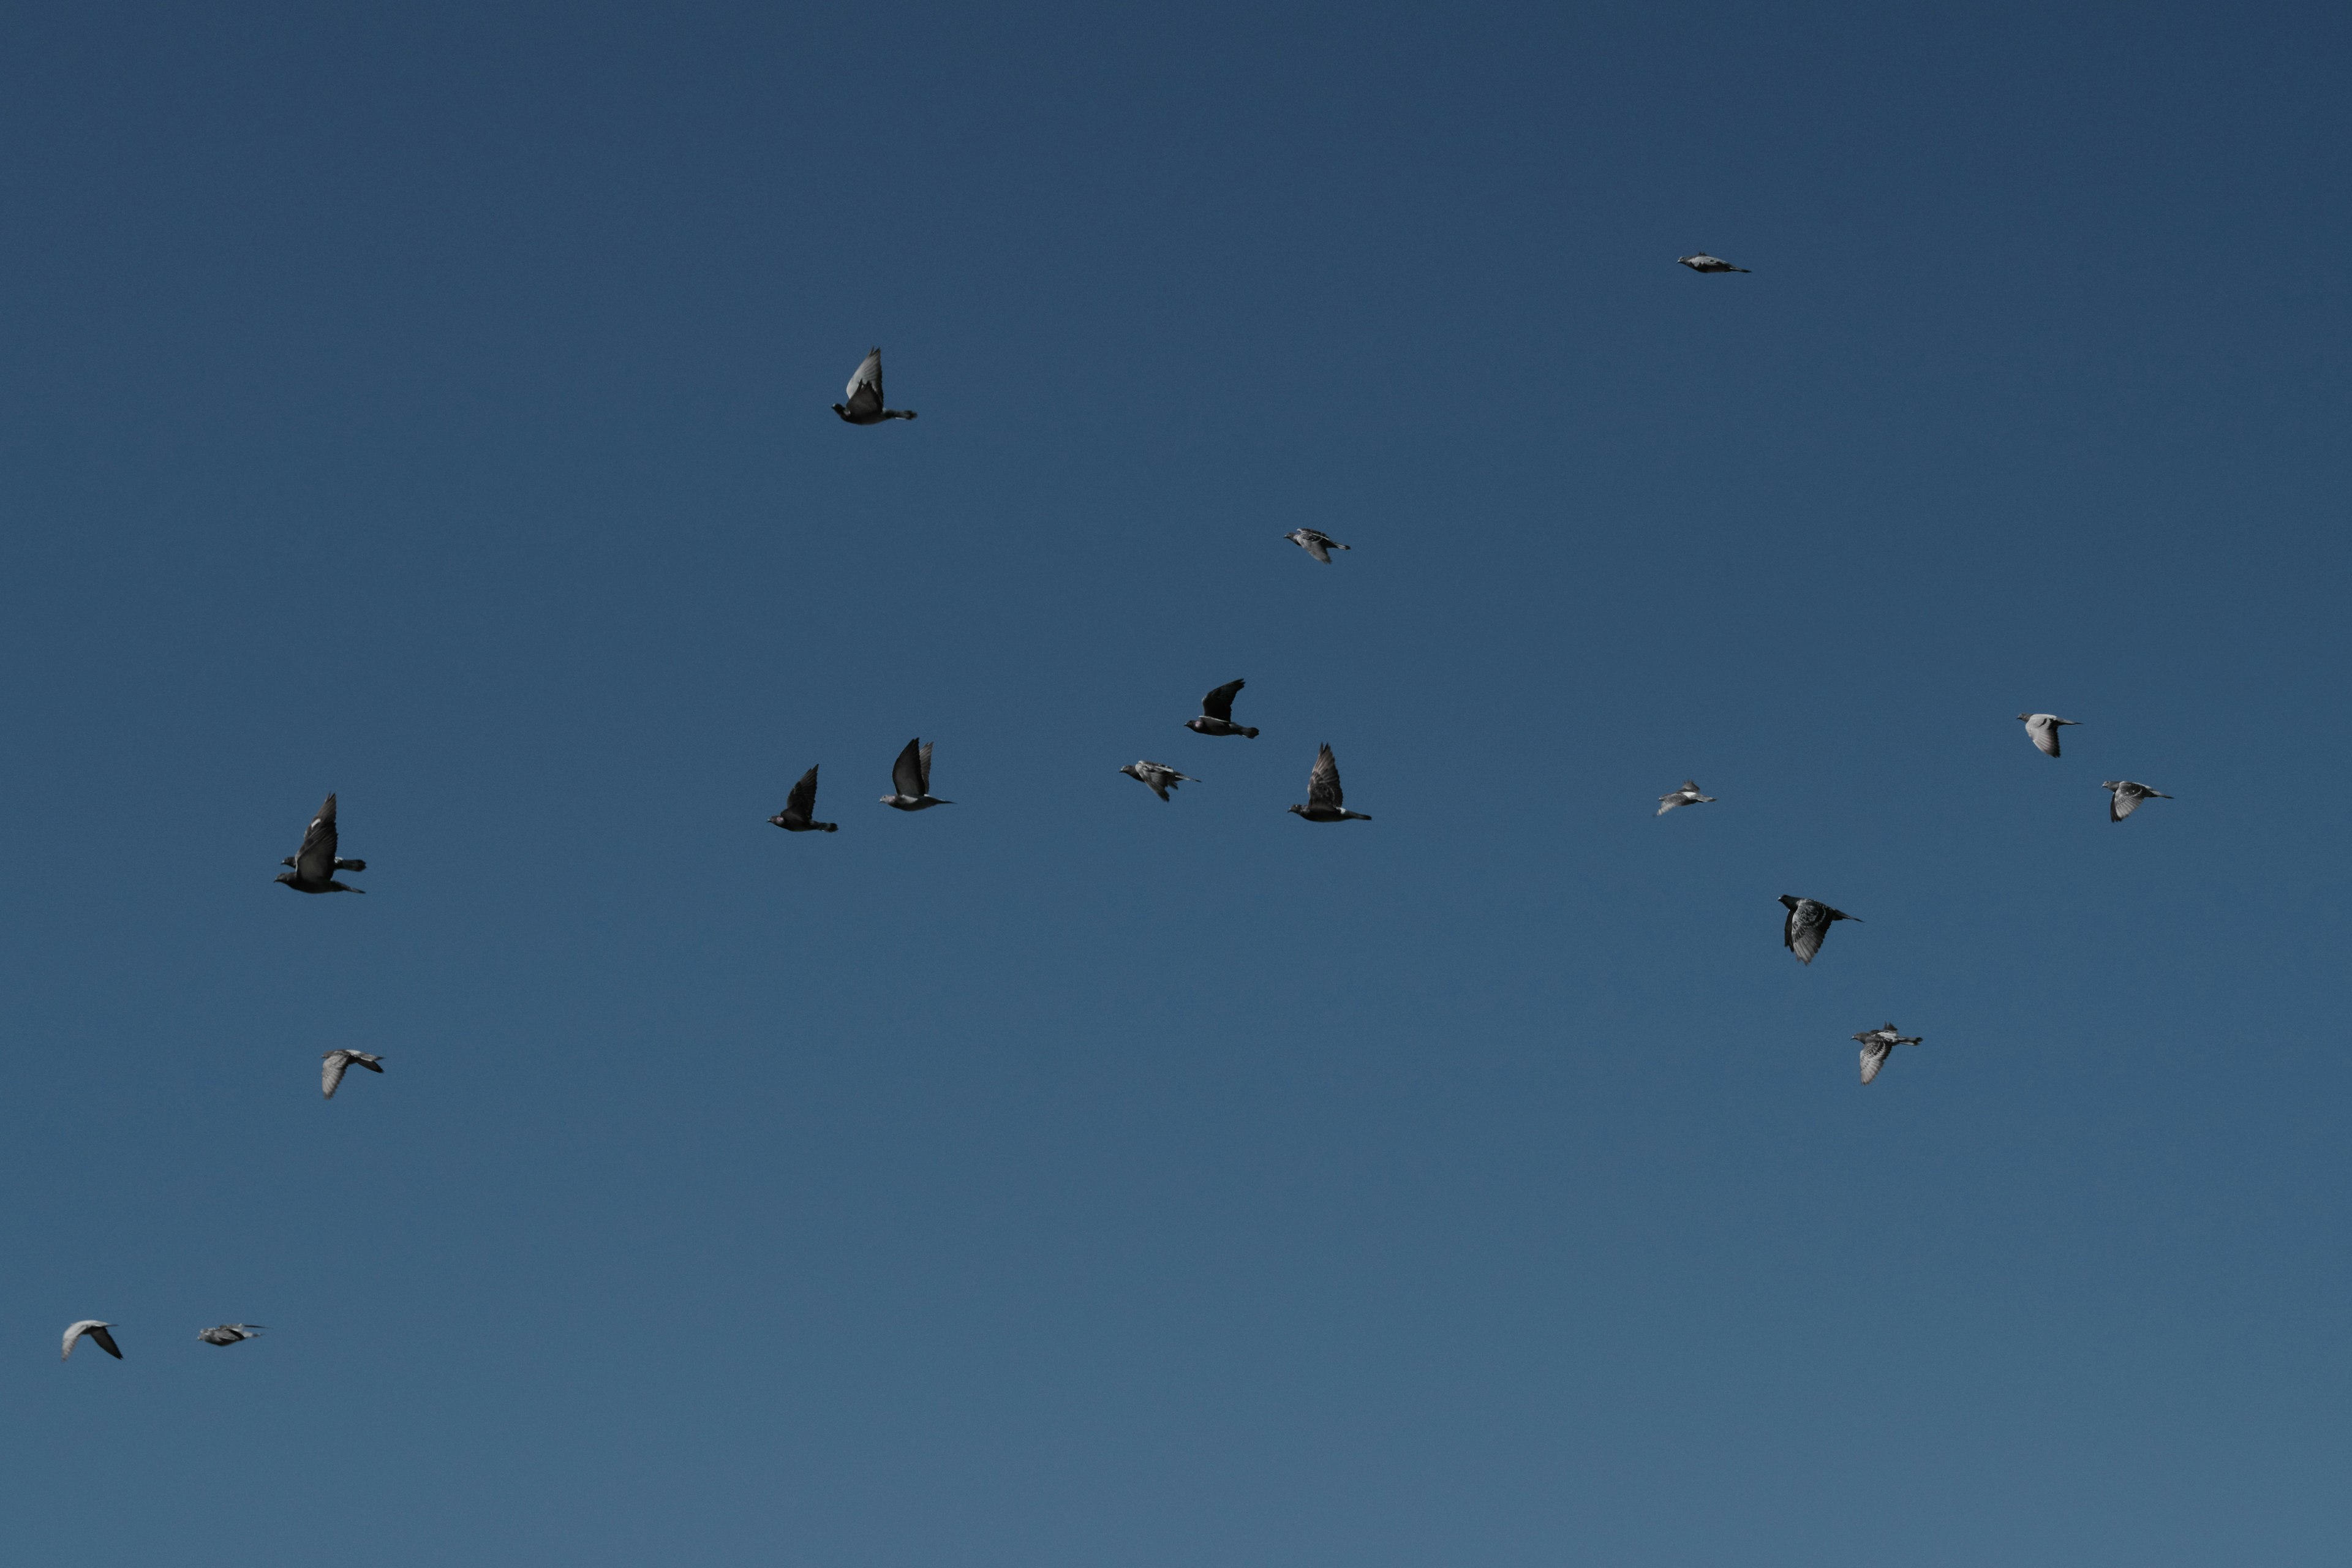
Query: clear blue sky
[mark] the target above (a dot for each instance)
(429, 404)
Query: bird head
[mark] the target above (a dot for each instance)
(1299, 809)
(287, 877)
(1129, 770)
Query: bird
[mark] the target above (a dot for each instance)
(229, 1334)
(2041, 729)
(1686, 795)
(1703, 262)
(911, 779)
(2128, 797)
(1217, 714)
(331, 1066)
(799, 814)
(1316, 542)
(1158, 777)
(1807, 924)
(1323, 796)
(315, 864)
(98, 1336)
(865, 395)
(1879, 1044)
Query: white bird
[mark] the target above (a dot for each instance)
(331, 1066)
(98, 1336)
(1686, 795)
(2127, 797)
(911, 779)
(2041, 729)
(1158, 777)
(1703, 262)
(1323, 796)
(865, 395)
(1316, 542)
(315, 864)
(1879, 1044)
(1217, 713)
(799, 814)
(1807, 925)
(229, 1334)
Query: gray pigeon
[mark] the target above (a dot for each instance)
(1879, 1044)
(2041, 729)
(229, 1334)
(2128, 797)
(1316, 542)
(331, 1066)
(911, 779)
(1807, 924)
(1686, 795)
(1703, 262)
(1323, 796)
(1158, 777)
(865, 395)
(98, 1336)
(315, 864)
(799, 814)
(1217, 714)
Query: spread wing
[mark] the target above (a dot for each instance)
(2045, 736)
(315, 861)
(104, 1341)
(1323, 784)
(906, 772)
(331, 1071)
(96, 1329)
(1317, 546)
(2122, 803)
(1874, 1056)
(1802, 936)
(1219, 704)
(925, 759)
(802, 801)
(864, 394)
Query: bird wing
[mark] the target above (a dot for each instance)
(365, 1059)
(1317, 546)
(2044, 735)
(803, 801)
(315, 861)
(104, 1341)
(1219, 703)
(926, 760)
(1803, 936)
(2122, 803)
(75, 1331)
(331, 1070)
(1323, 784)
(906, 772)
(1874, 1056)
(864, 394)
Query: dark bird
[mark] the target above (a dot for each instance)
(229, 1334)
(1686, 795)
(2127, 797)
(865, 395)
(315, 864)
(1323, 796)
(1316, 542)
(1217, 714)
(1158, 777)
(911, 779)
(1807, 924)
(2041, 729)
(799, 814)
(1703, 262)
(1879, 1044)
(98, 1336)
(331, 1066)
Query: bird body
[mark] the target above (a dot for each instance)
(1703, 262)
(2126, 797)
(1807, 923)
(98, 1336)
(1686, 795)
(1879, 1044)
(1158, 777)
(911, 779)
(315, 864)
(1316, 542)
(229, 1334)
(865, 395)
(1323, 796)
(1217, 714)
(331, 1066)
(2041, 729)
(799, 814)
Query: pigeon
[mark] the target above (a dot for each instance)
(331, 1066)
(1879, 1044)
(1686, 795)
(799, 814)
(1703, 262)
(911, 779)
(1158, 777)
(1323, 796)
(315, 864)
(98, 1336)
(1316, 542)
(865, 395)
(1217, 714)
(2128, 797)
(2041, 729)
(1807, 924)
(229, 1334)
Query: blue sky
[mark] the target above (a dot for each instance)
(430, 405)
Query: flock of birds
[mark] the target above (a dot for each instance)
(313, 868)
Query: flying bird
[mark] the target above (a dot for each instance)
(1879, 1044)
(1323, 796)
(98, 1336)
(1686, 795)
(229, 1334)
(911, 779)
(1158, 777)
(2041, 729)
(865, 395)
(799, 814)
(315, 863)
(1217, 714)
(1807, 924)
(331, 1066)
(2128, 797)
(1703, 262)
(1316, 542)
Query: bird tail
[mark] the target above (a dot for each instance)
(1248, 733)
(901, 413)
(351, 864)
(1354, 815)
(828, 827)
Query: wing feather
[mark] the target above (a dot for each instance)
(1323, 784)
(906, 772)
(331, 1071)
(315, 861)
(802, 803)
(864, 394)
(1219, 703)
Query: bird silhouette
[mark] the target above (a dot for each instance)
(799, 814)
(1217, 714)
(1879, 1044)
(315, 863)
(1686, 795)
(910, 780)
(1316, 542)
(1703, 262)
(2127, 797)
(98, 1336)
(1323, 796)
(865, 395)
(1807, 925)
(331, 1066)
(2041, 729)
(1158, 777)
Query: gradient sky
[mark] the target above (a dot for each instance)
(429, 404)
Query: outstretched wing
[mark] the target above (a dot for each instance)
(2122, 803)
(1874, 1056)
(1803, 935)
(315, 861)
(1316, 545)
(2045, 736)
(331, 1071)
(864, 394)
(1323, 784)
(906, 772)
(803, 801)
(925, 759)
(1219, 704)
